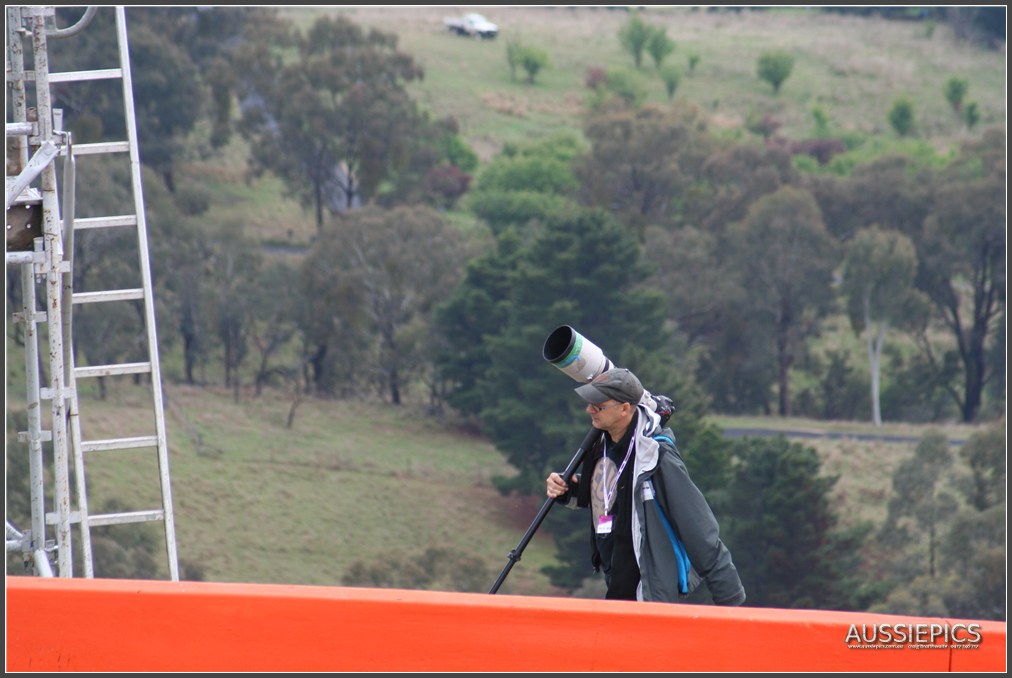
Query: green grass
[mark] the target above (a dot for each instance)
(850, 67)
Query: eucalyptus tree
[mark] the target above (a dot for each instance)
(335, 120)
(878, 284)
(921, 500)
(634, 36)
(961, 248)
(785, 259)
(376, 274)
(643, 161)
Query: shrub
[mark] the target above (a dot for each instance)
(901, 116)
(775, 67)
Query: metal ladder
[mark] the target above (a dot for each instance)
(52, 259)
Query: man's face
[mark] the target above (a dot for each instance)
(605, 415)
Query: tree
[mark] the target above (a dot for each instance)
(435, 569)
(878, 283)
(642, 161)
(971, 115)
(901, 116)
(734, 177)
(955, 92)
(533, 60)
(580, 268)
(659, 45)
(234, 268)
(961, 249)
(985, 454)
(893, 189)
(671, 76)
(785, 258)
(775, 67)
(919, 503)
(975, 542)
(335, 121)
(687, 260)
(168, 91)
(634, 35)
(782, 531)
(374, 254)
(693, 60)
(623, 86)
(513, 51)
(273, 321)
(525, 183)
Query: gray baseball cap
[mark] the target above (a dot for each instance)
(615, 384)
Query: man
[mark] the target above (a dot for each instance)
(653, 533)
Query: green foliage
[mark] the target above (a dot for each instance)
(974, 560)
(659, 45)
(579, 269)
(785, 257)
(460, 154)
(919, 389)
(775, 67)
(435, 569)
(336, 122)
(531, 59)
(641, 160)
(693, 59)
(514, 50)
(985, 453)
(955, 92)
(901, 116)
(940, 558)
(781, 529)
(364, 273)
(17, 477)
(919, 502)
(671, 76)
(626, 86)
(840, 392)
(878, 284)
(525, 184)
(634, 35)
(821, 120)
(962, 241)
(763, 124)
(971, 115)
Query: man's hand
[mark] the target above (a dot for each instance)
(555, 486)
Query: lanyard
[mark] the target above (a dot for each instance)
(604, 472)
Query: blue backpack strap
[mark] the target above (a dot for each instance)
(660, 437)
(680, 555)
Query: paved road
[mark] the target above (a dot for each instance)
(766, 433)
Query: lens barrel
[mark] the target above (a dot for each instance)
(574, 354)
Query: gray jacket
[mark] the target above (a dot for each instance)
(661, 480)
(663, 471)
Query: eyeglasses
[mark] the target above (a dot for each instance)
(597, 408)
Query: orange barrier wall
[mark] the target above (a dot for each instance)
(93, 625)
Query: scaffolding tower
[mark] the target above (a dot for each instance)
(40, 242)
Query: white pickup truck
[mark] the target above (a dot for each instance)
(472, 25)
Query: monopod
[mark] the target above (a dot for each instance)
(515, 554)
(578, 357)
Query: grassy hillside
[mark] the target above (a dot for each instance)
(355, 481)
(852, 68)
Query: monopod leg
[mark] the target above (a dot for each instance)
(515, 554)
